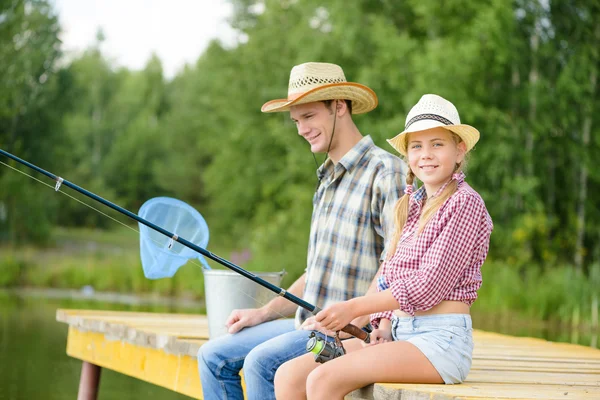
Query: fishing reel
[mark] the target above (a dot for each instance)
(324, 350)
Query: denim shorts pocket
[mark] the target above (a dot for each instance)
(463, 350)
(443, 338)
(463, 333)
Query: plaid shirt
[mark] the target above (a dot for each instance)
(351, 217)
(444, 261)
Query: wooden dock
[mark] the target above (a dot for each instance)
(161, 349)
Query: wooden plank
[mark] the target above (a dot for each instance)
(124, 314)
(481, 349)
(100, 319)
(534, 377)
(549, 359)
(189, 332)
(485, 390)
(161, 338)
(504, 367)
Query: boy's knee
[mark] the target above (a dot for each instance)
(208, 355)
(257, 361)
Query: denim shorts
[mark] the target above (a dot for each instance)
(445, 339)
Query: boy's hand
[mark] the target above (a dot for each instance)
(239, 319)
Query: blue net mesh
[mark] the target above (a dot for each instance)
(158, 261)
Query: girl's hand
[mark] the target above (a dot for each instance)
(379, 336)
(311, 325)
(336, 316)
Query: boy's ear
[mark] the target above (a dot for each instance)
(340, 106)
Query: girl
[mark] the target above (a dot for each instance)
(428, 281)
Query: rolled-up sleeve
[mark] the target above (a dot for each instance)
(381, 286)
(445, 261)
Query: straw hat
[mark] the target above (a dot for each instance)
(430, 112)
(313, 81)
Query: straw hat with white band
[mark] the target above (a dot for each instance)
(310, 82)
(430, 112)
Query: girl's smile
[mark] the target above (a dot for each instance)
(433, 156)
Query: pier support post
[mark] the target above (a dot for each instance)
(89, 381)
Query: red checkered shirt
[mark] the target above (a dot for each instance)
(444, 261)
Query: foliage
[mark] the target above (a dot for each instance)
(523, 72)
(557, 293)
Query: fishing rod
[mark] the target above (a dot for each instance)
(316, 345)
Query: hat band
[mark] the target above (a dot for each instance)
(434, 117)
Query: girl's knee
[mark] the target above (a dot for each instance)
(287, 384)
(283, 376)
(317, 382)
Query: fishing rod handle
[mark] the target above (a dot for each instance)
(351, 329)
(357, 333)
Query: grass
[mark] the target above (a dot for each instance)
(555, 294)
(104, 260)
(110, 261)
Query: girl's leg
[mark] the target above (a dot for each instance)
(290, 378)
(393, 362)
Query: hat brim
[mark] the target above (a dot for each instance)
(363, 98)
(467, 133)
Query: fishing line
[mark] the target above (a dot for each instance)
(349, 328)
(125, 225)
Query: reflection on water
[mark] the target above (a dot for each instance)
(33, 360)
(34, 365)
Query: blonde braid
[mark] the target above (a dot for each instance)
(401, 213)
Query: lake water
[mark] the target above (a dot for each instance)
(34, 364)
(33, 360)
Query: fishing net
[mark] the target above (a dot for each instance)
(162, 256)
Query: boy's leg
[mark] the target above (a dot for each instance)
(262, 362)
(220, 360)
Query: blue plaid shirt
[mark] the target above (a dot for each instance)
(352, 218)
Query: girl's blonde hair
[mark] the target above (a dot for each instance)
(432, 205)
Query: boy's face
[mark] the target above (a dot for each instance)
(314, 122)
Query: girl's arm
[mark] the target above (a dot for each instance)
(337, 316)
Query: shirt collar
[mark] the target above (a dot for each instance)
(349, 160)
(420, 194)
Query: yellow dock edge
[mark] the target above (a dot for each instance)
(174, 372)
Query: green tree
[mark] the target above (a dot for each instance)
(30, 109)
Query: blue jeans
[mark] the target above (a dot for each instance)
(260, 350)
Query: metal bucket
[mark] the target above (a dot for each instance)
(226, 291)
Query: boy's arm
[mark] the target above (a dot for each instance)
(276, 308)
